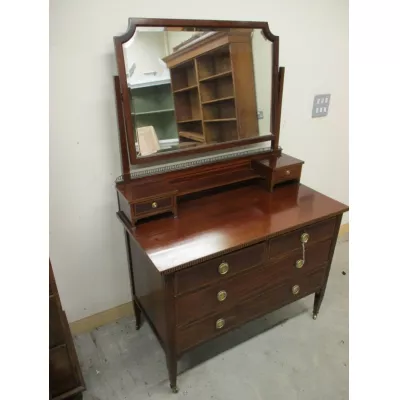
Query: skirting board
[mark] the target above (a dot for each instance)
(124, 310)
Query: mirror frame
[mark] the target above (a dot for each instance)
(133, 23)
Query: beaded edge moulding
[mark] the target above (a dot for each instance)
(177, 165)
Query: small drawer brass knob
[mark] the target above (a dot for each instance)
(287, 172)
(299, 263)
(296, 289)
(220, 323)
(154, 204)
(304, 238)
(223, 268)
(221, 296)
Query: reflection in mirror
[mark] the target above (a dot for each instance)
(191, 87)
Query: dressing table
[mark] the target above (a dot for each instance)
(219, 229)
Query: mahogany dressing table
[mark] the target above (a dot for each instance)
(218, 228)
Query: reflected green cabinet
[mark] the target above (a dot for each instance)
(153, 105)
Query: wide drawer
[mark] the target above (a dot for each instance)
(225, 294)
(219, 268)
(271, 300)
(291, 241)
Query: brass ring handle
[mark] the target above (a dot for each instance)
(221, 296)
(299, 263)
(288, 172)
(304, 238)
(154, 204)
(296, 289)
(220, 323)
(223, 268)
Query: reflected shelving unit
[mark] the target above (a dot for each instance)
(213, 88)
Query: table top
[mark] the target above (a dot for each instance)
(216, 223)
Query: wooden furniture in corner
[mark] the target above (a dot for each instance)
(65, 376)
(235, 250)
(213, 88)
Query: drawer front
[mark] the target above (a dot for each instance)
(219, 268)
(268, 301)
(62, 375)
(56, 335)
(292, 241)
(287, 174)
(227, 293)
(152, 206)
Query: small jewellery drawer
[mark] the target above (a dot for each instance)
(273, 299)
(153, 206)
(218, 268)
(227, 293)
(310, 234)
(289, 173)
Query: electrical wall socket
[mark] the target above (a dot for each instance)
(321, 105)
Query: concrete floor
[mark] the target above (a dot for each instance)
(285, 355)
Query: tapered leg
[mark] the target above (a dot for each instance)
(138, 314)
(172, 363)
(319, 296)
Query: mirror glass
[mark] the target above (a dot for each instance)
(192, 87)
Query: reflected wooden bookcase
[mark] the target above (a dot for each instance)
(213, 88)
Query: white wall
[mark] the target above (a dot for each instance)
(145, 50)
(86, 240)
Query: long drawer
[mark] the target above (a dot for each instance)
(225, 294)
(219, 268)
(273, 299)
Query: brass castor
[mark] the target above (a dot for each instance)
(314, 316)
(174, 389)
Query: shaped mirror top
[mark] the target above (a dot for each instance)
(194, 87)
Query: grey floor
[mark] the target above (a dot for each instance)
(285, 355)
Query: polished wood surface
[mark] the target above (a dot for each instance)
(240, 247)
(208, 272)
(282, 161)
(235, 218)
(65, 376)
(203, 330)
(200, 303)
(232, 255)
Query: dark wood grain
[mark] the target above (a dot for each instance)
(235, 218)
(278, 107)
(190, 180)
(203, 330)
(289, 242)
(149, 289)
(239, 288)
(56, 334)
(122, 131)
(65, 376)
(319, 296)
(207, 272)
(278, 169)
(147, 207)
